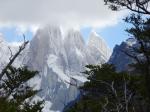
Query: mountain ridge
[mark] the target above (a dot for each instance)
(59, 62)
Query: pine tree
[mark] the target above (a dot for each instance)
(141, 52)
(138, 6)
(108, 91)
(15, 93)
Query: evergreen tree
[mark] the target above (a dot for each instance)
(138, 6)
(15, 94)
(109, 91)
(141, 52)
(140, 30)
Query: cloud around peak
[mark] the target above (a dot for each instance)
(67, 13)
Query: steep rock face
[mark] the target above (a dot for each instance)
(119, 58)
(59, 62)
(75, 50)
(98, 48)
(48, 56)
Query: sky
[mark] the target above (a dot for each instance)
(19, 17)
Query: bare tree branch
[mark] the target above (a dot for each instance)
(11, 54)
(139, 6)
(21, 48)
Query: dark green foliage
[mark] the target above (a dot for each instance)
(141, 52)
(138, 6)
(15, 94)
(109, 91)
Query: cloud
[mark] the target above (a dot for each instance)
(67, 13)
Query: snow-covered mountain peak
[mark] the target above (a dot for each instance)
(74, 39)
(95, 38)
(74, 36)
(97, 43)
(49, 32)
(59, 62)
(47, 40)
(94, 34)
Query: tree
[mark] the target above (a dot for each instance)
(139, 6)
(15, 94)
(109, 91)
(140, 52)
(140, 31)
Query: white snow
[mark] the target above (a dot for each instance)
(79, 52)
(59, 59)
(52, 60)
(80, 78)
(47, 106)
(95, 42)
(35, 82)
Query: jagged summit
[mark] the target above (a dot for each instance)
(74, 39)
(59, 61)
(119, 58)
(49, 33)
(94, 33)
(96, 42)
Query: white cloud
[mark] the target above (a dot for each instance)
(66, 13)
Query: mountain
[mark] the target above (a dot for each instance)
(98, 48)
(60, 61)
(119, 58)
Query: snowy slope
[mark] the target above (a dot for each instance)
(59, 61)
(98, 48)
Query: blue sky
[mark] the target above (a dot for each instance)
(66, 13)
(115, 34)
(112, 35)
(11, 35)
